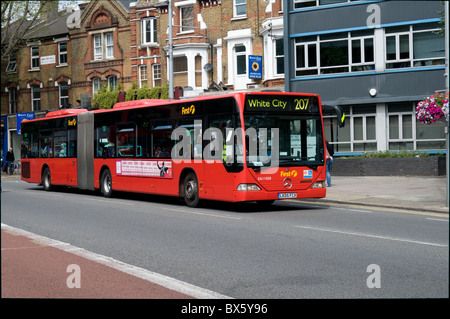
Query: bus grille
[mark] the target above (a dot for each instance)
(25, 169)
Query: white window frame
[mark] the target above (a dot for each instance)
(63, 97)
(103, 44)
(98, 47)
(240, 54)
(112, 82)
(237, 5)
(352, 142)
(410, 61)
(314, 3)
(62, 53)
(96, 85)
(349, 66)
(149, 26)
(186, 28)
(398, 59)
(12, 63)
(34, 58)
(143, 75)
(35, 99)
(276, 57)
(109, 45)
(156, 73)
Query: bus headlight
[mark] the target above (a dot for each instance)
(318, 185)
(248, 187)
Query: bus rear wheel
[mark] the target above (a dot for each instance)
(191, 190)
(46, 179)
(106, 183)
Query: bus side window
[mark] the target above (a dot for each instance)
(160, 139)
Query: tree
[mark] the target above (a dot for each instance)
(20, 17)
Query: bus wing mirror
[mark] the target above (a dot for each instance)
(335, 109)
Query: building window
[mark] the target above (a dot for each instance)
(149, 31)
(98, 50)
(180, 71)
(12, 62)
(239, 8)
(198, 71)
(62, 52)
(414, 46)
(156, 70)
(406, 133)
(35, 97)
(279, 56)
(187, 18)
(63, 94)
(109, 45)
(12, 100)
(35, 57)
(143, 75)
(335, 53)
(112, 83)
(241, 59)
(103, 46)
(298, 4)
(359, 135)
(96, 85)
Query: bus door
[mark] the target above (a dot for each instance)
(219, 166)
(72, 155)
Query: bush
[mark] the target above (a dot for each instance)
(105, 99)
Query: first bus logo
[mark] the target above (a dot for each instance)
(72, 122)
(188, 110)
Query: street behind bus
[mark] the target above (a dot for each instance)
(294, 249)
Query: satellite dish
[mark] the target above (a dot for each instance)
(208, 67)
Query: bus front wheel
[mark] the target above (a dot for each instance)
(46, 179)
(191, 190)
(106, 183)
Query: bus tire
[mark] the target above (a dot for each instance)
(190, 193)
(106, 183)
(46, 179)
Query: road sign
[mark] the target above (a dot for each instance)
(255, 66)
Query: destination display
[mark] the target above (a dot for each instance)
(282, 103)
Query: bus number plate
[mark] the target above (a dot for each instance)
(287, 195)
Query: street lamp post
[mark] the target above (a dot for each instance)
(170, 62)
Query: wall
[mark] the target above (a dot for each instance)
(408, 166)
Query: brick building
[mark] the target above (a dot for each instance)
(71, 55)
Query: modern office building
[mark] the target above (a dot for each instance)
(376, 59)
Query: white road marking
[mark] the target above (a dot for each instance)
(197, 213)
(371, 236)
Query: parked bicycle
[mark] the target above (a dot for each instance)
(14, 168)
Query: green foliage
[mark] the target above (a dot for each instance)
(393, 154)
(106, 99)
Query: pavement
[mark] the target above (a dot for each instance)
(419, 193)
(33, 266)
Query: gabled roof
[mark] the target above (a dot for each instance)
(55, 25)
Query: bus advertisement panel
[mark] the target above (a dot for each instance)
(237, 147)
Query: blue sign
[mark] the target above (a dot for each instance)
(255, 67)
(21, 117)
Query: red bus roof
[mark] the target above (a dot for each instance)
(65, 112)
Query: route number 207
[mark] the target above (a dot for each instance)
(301, 104)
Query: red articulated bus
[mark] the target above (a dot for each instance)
(237, 147)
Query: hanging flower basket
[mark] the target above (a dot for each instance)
(433, 108)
